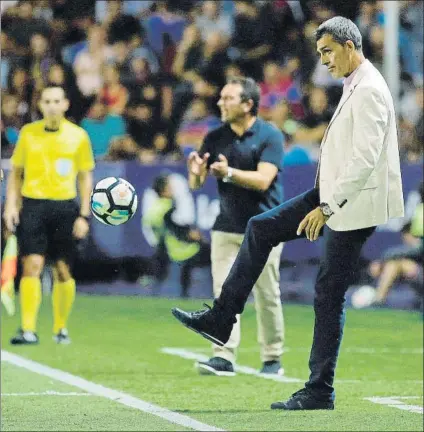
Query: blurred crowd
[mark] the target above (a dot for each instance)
(143, 77)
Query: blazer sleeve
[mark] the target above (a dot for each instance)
(370, 122)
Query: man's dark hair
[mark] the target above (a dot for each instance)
(250, 91)
(160, 182)
(341, 29)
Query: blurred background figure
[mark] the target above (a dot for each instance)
(182, 243)
(404, 262)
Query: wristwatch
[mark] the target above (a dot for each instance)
(326, 210)
(227, 178)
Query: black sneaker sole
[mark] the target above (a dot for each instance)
(285, 407)
(15, 342)
(207, 336)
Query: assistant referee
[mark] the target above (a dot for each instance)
(49, 158)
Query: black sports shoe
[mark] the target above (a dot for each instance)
(62, 337)
(272, 367)
(304, 400)
(209, 323)
(216, 366)
(25, 338)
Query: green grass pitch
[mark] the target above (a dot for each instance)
(118, 343)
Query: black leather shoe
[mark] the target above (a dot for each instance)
(304, 400)
(209, 323)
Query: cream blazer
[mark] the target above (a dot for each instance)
(359, 168)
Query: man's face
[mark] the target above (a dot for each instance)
(230, 104)
(10, 106)
(38, 44)
(336, 57)
(53, 103)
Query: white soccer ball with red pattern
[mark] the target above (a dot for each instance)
(113, 201)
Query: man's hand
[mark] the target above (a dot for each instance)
(219, 169)
(195, 235)
(312, 224)
(197, 165)
(80, 229)
(11, 218)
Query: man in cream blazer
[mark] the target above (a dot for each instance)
(358, 187)
(359, 162)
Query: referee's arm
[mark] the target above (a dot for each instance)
(85, 174)
(85, 186)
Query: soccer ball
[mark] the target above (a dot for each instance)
(113, 201)
(363, 297)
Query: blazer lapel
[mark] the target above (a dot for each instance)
(362, 71)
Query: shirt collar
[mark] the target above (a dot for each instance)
(251, 131)
(348, 81)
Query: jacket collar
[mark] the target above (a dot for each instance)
(362, 71)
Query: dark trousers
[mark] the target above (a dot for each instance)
(338, 265)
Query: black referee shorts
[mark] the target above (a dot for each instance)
(45, 228)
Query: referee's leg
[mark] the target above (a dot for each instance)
(32, 241)
(62, 249)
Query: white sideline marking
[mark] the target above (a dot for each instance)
(47, 393)
(192, 355)
(395, 402)
(99, 390)
(180, 352)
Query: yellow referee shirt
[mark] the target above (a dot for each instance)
(52, 160)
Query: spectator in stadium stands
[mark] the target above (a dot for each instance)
(113, 94)
(8, 58)
(20, 85)
(150, 88)
(313, 125)
(12, 122)
(164, 147)
(24, 20)
(211, 19)
(89, 63)
(164, 21)
(63, 76)
(141, 49)
(184, 244)
(403, 261)
(233, 69)
(274, 88)
(197, 122)
(188, 53)
(122, 148)
(39, 60)
(102, 127)
(282, 118)
(121, 59)
(411, 135)
(412, 14)
(251, 43)
(120, 26)
(139, 9)
(141, 123)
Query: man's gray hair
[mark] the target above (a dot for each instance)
(341, 29)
